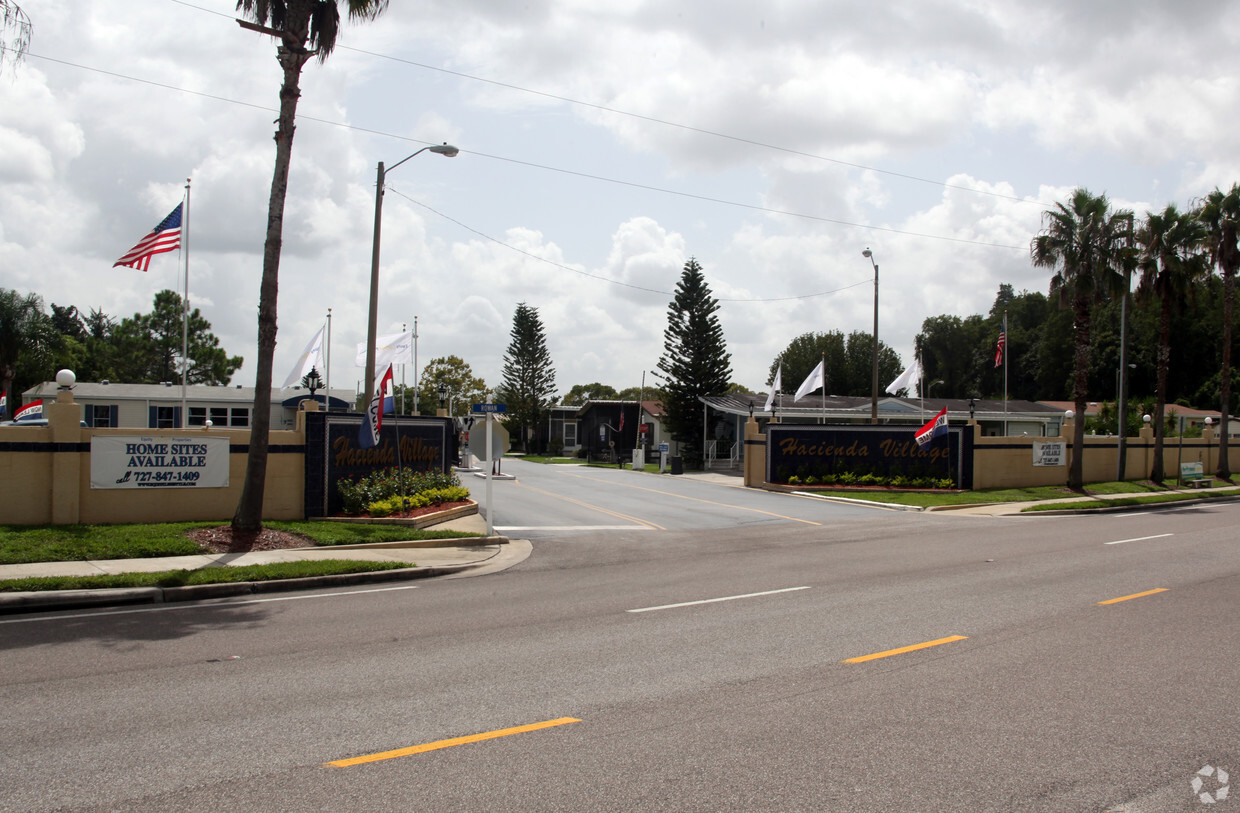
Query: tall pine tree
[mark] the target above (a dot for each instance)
(528, 388)
(695, 360)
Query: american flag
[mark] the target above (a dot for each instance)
(999, 348)
(165, 237)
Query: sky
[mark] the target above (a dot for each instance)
(602, 144)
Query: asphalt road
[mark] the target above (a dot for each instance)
(728, 666)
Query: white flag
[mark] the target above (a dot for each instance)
(394, 349)
(312, 356)
(776, 386)
(908, 379)
(818, 378)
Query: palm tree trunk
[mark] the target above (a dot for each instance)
(1224, 465)
(1157, 473)
(249, 515)
(1076, 472)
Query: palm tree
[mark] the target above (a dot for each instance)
(1170, 262)
(305, 29)
(25, 332)
(1086, 243)
(1220, 214)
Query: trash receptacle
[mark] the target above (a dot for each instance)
(678, 466)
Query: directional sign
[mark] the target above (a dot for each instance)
(490, 408)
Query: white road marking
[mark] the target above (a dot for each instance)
(713, 600)
(192, 605)
(1137, 539)
(572, 528)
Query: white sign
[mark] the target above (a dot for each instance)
(1049, 452)
(478, 441)
(158, 462)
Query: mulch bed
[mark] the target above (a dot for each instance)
(221, 539)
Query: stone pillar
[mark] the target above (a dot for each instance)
(64, 423)
(755, 454)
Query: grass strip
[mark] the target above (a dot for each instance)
(926, 499)
(207, 575)
(27, 544)
(1123, 502)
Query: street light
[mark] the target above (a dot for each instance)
(874, 392)
(446, 150)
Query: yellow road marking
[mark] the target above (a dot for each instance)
(698, 499)
(903, 649)
(607, 511)
(435, 746)
(1134, 595)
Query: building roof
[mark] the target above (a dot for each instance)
(856, 407)
(1094, 407)
(198, 393)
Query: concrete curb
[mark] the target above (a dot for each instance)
(31, 602)
(889, 506)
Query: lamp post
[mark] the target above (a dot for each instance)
(874, 392)
(443, 149)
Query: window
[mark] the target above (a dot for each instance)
(165, 417)
(100, 415)
(219, 416)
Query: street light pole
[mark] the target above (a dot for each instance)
(874, 390)
(371, 330)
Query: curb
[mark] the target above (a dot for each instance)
(888, 506)
(33, 602)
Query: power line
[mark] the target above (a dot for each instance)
(588, 275)
(532, 165)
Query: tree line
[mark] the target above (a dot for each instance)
(141, 349)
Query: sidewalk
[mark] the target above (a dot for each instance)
(453, 558)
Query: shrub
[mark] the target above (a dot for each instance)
(811, 480)
(945, 482)
(869, 479)
(900, 481)
(433, 496)
(793, 480)
(848, 478)
(357, 494)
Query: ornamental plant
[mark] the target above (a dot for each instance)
(358, 494)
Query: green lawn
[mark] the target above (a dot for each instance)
(927, 499)
(23, 544)
(209, 575)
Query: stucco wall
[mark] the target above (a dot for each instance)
(45, 477)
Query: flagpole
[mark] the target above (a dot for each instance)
(824, 387)
(185, 311)
(1006, 353)
(403, 386)
(327, 400)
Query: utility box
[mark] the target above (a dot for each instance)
(639, 460)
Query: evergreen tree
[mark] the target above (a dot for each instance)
(528, 388)
(695, 360)
(149, 346)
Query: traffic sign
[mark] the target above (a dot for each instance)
(483, 408)
(664, 447)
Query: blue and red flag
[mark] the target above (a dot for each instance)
(34, 409)
(368, 433)
(934, 427)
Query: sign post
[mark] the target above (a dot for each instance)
(489, 411)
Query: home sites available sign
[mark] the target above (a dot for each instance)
(158, 462)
